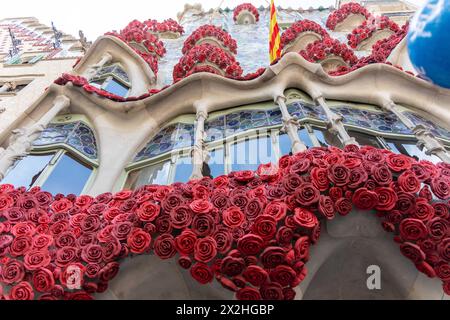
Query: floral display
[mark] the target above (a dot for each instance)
(246, 7)
(250, 231)
(321, 49)
(298, 28)
(343, 12)
(210, 31)
(207, 58)
(168, 25)
(368, 28)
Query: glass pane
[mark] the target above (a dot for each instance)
(26, 171)
(216, 162)
(285, 144)
(183, 169)
(305, 138)
(365, 139)
(69, 177)
(326, 138)
(249, 154)
(410, 149)
(117, 88)
(154, 174)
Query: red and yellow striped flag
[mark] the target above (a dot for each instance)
(274, 36)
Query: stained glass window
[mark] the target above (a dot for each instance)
(434, 128)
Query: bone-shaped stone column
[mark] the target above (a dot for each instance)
(21, 141)
(425, 138)
(290, 125)
(93, 69)
(7, 86)
(198, 152)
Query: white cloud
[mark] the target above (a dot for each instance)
(96, 17)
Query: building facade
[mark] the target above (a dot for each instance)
(176, 103)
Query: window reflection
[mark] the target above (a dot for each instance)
(365, 139)
(25, 172)
(183, 171)
(326, 138)
(154, 174)
(115, 87)
(217, 162)
(250, 153)
(410, 148)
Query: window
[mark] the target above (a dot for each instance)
(154, 174)
(115, 87)
(217, 162)
(114, 79)
(410, 148)
(56, 172)
(24, 60)
(183, 170)
(364, 139)
(326, 138)
(251, 152)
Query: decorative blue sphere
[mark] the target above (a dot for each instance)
(429, 42)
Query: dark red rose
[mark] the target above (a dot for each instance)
(336, 193)
(123, 195)
(185, 242)
(283, 275)
(200, 192)
(425, 193)
(22, 291)
(387, 199)
(272, 257)
(205, 249)
(248, 294)
(381, 174)
(444, 249)
(443, 271)
(63, 205)
(92, 253)
(171, 201)
(300, 166)
(233, 217)
(6, 202)
(441, 210)
(305, 219)
(255, 275)
(43, 280)
(307, 195)
(364, 199)
(20, 246)
(441, 187)
(109, 271)
(326, 207)
(92, 270)
(185, 262)
(358, 176)
(250, 244)
(35, 260)
(202, 273)
(14, 214)
(111, 250)
(12, 271)
(122, 230)
(254, 209)
(110, 213)
(220, 200)
(406, 203)
(181, 217)
(65, 239)
(424, 211)
(244, 176)
(339, 174)
(66, 255)
(138, 241)
(412, 229)
(221, 181)
(408, 182)
(426, 269)
(201, 206)
(343, 206)
(271, 291)
(165, 246)
(276, 209)
(104, 198)
(232, 266)
(301, 249)
(83, 202)
(203, 225)
(412, 252)
(90, 223)
(284, 236)
(291, 182)
(319, 178)
(224, 240)
(438, 228)
(163, 224)
(148, 211)
(398, 162)
(265, 227)
(239, 200)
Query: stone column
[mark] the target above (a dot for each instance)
(335, 124)
(93, 69)
(7, 86)
(290, 126)
(198, 152)
(21, 141)
(425, 138)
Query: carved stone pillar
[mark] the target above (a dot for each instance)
(7, 86)
(198, 152)
(290, 126)
(21, 141)
(93, 69)
(335, 124)
(425, 138)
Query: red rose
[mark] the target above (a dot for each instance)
(272, 257)
(203, 225)
(35, 260)
(233, 217)
(276, 209)
(284, 275)
(202, 273)
(406, 203)
(326, 207)
(138, 241)
(305, 218)
(426, 269)
(123, 195)
(408, 182)
(301, 249)
(255, 275)
(244, 176)
(205, 249)
(307, 195)
(248, 294)
(63, 205)
(387, 199)
(181, 217)
(172, 201)
(43, 280)
(254, 208)
(250, 244)
(6, 202)
(381, 174)
(21, 291)
(300, 166)
(398, 162)
(122, 230)
(239, 200)
(224, 240)
(412, 252)
(412, 229)
(265, 227)
(364, 199)
(12, 272)
(165, 246)
(272, 291)
(357, 177)
(92, 253)
(109, 272)
(148, 211)
(444, 249)
(66, 255)
(83, 202)
(232, 266)
(220, 200)
(185, 242)
(284, 236)
(441, 187)
(20, 246)
(443, 271)
(438, 228)
(185, 262)
(92, 270)
(343, 206)
(201, 206)
(339, 174)
(424, 211)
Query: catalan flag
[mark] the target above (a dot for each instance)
(274, 36)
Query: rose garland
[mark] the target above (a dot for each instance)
(210, 31)
(206, 53)
(321, 49)
(168, 25)
(299, 27)
(246, 7)
(249, 231)
(367, 29)
(343, 12)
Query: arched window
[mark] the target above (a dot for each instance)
(113, 79)
(62, 159)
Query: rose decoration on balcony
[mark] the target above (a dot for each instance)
(207, 58)
(383, 48)
(215, 34)
(344, 12)
(299, 28)
(250, 231)
(327, 49)
(369, 27)
(167, 29)
(245, 8)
